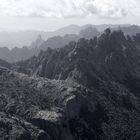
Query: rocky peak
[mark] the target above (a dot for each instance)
(37, 42)
(112, 39)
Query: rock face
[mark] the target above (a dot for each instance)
(35, 108)
(35, 44)
(17, 129)
(88, 90)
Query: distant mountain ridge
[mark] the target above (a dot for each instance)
(25, 38)
(59, 39)
(18, 54)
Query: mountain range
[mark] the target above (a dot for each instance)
(18, 54)
(87, 90)
(25, 38)
(56, 39)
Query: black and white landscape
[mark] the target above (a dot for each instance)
(86, 90)
(78, 82)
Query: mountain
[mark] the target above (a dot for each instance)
(20, 38)
(58, 41)
(87, 90)
(25, 38)
(19, 54)
(35, 44)
(102, 27)
(131, 30)
(89, 33)
(61, 41)
(70, 29)
(92, 54)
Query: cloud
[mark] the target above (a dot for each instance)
(70, 8)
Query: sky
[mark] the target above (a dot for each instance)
(53, 14)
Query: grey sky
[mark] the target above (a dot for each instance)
(53, 14)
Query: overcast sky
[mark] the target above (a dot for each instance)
(53, 14)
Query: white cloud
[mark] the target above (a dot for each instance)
(70, 8)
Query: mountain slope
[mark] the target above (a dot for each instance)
(35, 108)
(58, 41)
(111, 52)
(63, 109)
(55, 39)
(37, 42)
(104, 103)
(5, 64)
(19, 54)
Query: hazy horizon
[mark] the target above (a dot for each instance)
(43, 24)
(45, 15)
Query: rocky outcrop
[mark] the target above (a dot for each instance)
(33, 107)
(13, 128)
(35, 44)
(39, 108)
